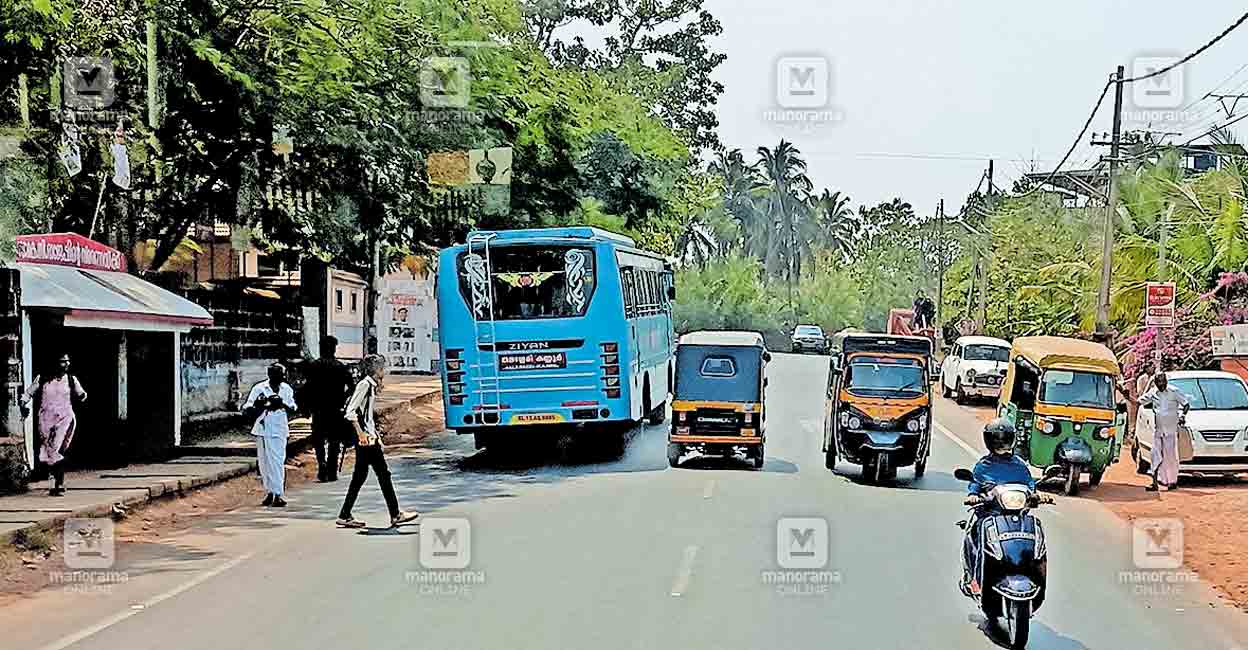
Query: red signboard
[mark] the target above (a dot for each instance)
(69, 249)
(1159, 312)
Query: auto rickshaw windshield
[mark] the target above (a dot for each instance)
(1076, 388)
(867, 377)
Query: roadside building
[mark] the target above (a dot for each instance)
(123, 335)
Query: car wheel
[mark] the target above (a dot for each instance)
(959, 395)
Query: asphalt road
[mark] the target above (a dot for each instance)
(622, 554)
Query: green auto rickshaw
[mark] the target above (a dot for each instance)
(1060, 394)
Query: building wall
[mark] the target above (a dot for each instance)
(347, 298)
(407, 321)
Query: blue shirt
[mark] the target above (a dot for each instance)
(998, 469)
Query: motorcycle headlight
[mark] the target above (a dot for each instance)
(855, 422)
(912, 425)
(992, 539)
(1012, 499)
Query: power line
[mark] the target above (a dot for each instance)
(1191, 56)
(1215, 88)
(1082, 132)
(1215, 129)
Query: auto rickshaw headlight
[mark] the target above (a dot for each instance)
(1106, 433)
(1047, 426)
(855, 422)
(912, 425)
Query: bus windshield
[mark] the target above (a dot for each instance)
(1074, 388)
(530, 282)
(884, 379)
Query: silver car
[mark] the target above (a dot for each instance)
(809, 338)
(1216, 424)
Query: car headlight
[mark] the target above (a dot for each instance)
(1012, 499)
(855, 422)
(912, 425)
(970, 374)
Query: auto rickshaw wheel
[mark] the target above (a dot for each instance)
(674, 452)
(829, 456)
(920, 468)
(758, 456)
(1094, 478)
(1072, 481)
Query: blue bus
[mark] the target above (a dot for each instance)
(550, 327)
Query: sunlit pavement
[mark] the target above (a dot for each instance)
(621, 554)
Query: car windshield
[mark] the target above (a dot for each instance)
(1213, 393)
(986, 353)
(1074, 388)
(808, 330)
(885, 379)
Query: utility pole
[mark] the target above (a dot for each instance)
(940, 281)
(981, 323)
(1107, 251)
(1163, 275)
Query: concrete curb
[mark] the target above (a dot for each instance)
(419, 400)
(160, 489)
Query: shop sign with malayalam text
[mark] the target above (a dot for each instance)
(1160, 307)
(69, 249)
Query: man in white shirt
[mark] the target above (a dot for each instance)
(1169, 408)
(271, 403)
(369, 451)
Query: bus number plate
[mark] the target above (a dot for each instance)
(532, 361)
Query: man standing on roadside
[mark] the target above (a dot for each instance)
(368, 450)
(1169, 408)
(328, 386)
(271, 402)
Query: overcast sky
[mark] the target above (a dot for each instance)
(953, 83)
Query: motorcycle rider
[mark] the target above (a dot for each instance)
(998, 467)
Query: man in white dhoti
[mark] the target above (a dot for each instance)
(271, 403)
(1169, 408)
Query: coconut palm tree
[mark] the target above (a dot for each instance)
(788, 187)
(835, 225)
(742, 190)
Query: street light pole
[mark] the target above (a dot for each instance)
(1107, 251)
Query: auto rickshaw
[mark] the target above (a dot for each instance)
(719, 395)
(1060, 395)
(878, 411)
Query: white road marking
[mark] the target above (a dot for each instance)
(956, 440)
(138, 608)
(710, 489)
(685, 574)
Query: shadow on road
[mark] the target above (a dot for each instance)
(738, 462)
(1042, 636)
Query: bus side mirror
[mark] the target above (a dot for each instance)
(766, 356)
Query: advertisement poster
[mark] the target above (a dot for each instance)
(1159, 312)
(407, 322)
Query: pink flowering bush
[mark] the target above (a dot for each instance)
(1187, 346)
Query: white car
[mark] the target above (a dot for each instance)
(974, 367)
(1216, 423)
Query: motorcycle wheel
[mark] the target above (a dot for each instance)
(1072, 481)
(1017, 623)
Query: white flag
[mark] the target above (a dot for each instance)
(70, 157)
(121, 166)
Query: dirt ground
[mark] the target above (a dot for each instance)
(26, 567)
(1214, 527)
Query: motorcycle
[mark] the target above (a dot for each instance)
(1006, 544)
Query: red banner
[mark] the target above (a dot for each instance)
(69, 249)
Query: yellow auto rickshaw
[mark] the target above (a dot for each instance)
(1059, 393)
(719, 395)
(878, 411)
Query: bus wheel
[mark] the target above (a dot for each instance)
(659, 415)
(674, 452)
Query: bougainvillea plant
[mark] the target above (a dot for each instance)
(1187, 346)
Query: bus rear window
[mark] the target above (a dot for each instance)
(529, 282)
